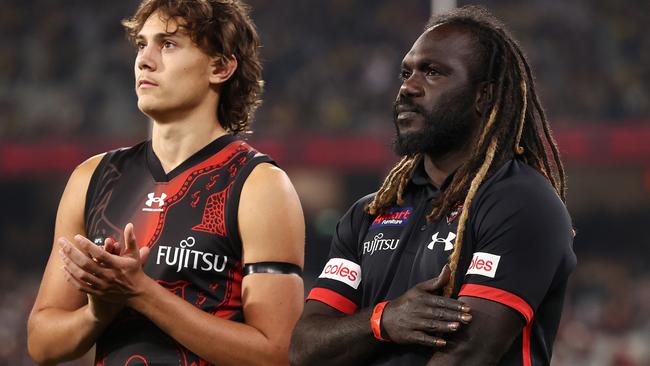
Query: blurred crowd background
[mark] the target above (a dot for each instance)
(331, 67)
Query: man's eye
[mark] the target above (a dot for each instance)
(403, 75)
(168, 44)
(140, 45)
(432, 72)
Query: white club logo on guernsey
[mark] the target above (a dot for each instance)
(151, 199)
(448, 241)
(186, 257)
(484, 264)
(343, 270)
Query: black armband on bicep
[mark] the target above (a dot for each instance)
(272, 267)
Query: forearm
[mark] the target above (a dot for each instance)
(322, 339)
(460, 351)
(56, 335)
(218, 341)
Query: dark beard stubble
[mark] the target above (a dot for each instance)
(447, 128)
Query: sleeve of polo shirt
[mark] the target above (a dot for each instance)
(338, 285)
(523, 238)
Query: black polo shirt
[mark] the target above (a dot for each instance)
(517, 251)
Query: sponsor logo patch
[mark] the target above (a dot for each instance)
(184, 256)
(395, 217)
(342, 270)
(448, 241)
(158, 201)
(378, 244)
(484, 264)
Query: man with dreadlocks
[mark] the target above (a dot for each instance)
(478, 198)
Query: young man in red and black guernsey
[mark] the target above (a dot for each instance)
(477, 200)
(195, 267)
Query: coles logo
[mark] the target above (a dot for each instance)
(343, 270)
(395, 217)
(484, 264)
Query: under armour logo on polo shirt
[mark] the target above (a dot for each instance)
(448, 244)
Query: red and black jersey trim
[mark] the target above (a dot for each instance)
(500, 296)
(511, 300)
(333, 299)
(157, 171)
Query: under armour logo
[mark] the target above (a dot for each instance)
(153, 199)
(448, 244)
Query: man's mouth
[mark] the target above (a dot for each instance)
(144, 84)
(407, 115)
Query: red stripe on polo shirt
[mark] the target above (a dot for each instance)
(333, 299)
(525, 341)
(500, 296)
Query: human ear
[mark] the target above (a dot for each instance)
(484, 97)
(222, 68)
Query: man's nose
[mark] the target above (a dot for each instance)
(411, 87)
(146, 59)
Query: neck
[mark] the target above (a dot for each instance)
(176, 138)
(438, 168)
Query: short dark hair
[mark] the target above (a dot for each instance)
(221, 28)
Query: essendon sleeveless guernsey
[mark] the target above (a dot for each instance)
(188, 217)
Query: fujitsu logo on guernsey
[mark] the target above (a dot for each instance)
(378, 243)
(151, 199)
(342, 270)
(449, 245)
(184, 257)
(395, 217)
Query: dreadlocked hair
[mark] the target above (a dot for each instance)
(514, 123)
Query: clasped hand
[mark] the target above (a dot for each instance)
(111, 274)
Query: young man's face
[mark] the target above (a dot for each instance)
(434, 112)
(171, 72)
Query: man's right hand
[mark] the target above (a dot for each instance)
(418, 314)
(103, 311)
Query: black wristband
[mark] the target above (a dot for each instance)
(272, 267)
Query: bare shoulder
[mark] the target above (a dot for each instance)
(270, 217)
(87, 168)
(268, 178)
(81, 175)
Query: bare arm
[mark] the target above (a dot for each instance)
(494, 327)
(61, 325)
(324, 335)
(271, 302)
